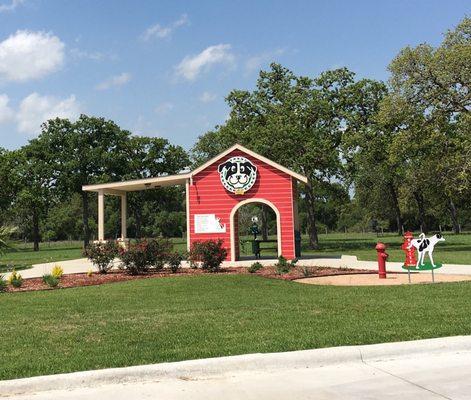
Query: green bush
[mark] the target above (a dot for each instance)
(283, 266)
(139, 257)
(50, 280)
(158, 250)
(3, 283)
(102, 254)
(255, 267)
(15, 279)
(209, 254)
(174, 260)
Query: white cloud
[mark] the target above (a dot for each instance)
(11, 5)
(257, 61)
(164, 108)
(6, 113)
(114, 81)
(162, 32)
(30, 55)
(191, 66)
(36, 109)
(207, 97)
(82, 54)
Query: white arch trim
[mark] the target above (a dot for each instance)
(248, 201)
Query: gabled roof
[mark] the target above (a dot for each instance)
(119, 188)
(237, 146)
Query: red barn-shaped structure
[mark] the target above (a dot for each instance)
(216, 191)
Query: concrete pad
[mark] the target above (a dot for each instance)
(373, 279)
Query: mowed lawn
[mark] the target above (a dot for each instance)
(455, 250)
(22, 255)
(188, 317)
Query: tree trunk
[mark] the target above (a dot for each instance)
(35, 229)
(138, 218)
(454, 216)
(419, 198)
(397, 210)
(264, 222)
(85, 217)
(312, 229)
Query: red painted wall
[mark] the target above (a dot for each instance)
(208, 196)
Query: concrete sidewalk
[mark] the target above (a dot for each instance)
(425, 369)
(345, 261)
(83, 265)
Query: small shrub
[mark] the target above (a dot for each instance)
(15, 279)
(283, 266)
(57, 271)
(306, 271)
(3, 283)
(174, 260)
(209, 254)
(255, 267)
(102, 254)
(158, 252)
(50, 280)
(89, 272)
(139, 257)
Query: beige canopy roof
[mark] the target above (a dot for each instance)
(138, 184)
(119, 188)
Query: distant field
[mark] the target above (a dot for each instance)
(22, 254)
(456, 249)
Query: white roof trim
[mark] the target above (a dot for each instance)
(138, 184)
(295, 175)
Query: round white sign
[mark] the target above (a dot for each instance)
(237, 174)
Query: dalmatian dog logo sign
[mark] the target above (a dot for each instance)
(237, 174)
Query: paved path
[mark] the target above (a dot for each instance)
(437, 374)
(83, 265)
(392, 278)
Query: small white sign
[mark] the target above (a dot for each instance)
(208, 223)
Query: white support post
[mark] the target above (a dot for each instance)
(187, 189)
(124, 227)
(101, 216)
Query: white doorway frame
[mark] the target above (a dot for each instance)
(243, 203)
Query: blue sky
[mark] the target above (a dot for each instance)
(163, 68)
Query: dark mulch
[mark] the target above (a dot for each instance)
(310, 272)
(83, 279)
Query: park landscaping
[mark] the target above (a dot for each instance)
(209, 315)
(456, 249)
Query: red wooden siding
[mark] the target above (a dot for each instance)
(208, 196)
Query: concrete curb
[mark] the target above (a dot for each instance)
(250, 362)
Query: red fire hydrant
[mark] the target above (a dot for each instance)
(411, 261)
(382, 256)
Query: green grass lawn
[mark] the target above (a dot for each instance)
(21, 254)
(178, 318)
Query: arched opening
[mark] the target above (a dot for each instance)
(235, 223)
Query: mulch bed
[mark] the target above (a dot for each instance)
(83, 279)
(313, 272)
